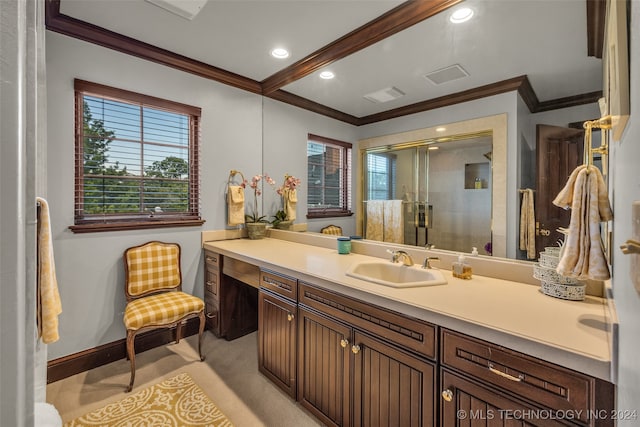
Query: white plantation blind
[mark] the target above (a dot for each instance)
(328, 177)
(381, 176)
(137, 157)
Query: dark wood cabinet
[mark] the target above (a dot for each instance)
(353, 375)
(537, 389)
(469, 403)
(324, 369)
(391, 387)
(277, 319)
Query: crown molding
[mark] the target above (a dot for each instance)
(397, 19)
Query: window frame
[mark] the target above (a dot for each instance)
(345, 210)
(85, 223)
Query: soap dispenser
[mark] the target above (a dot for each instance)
(461, 269)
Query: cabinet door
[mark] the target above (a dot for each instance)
(324, 367)
(466, 402)
(277, 341)
(391, 387)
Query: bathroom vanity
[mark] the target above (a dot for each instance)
(482, 350)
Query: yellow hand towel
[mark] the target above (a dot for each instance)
(290, 202)
(235, 205)
(393, 228)
(582, 255)
(527, 224)
(375, 220)
(49, 307)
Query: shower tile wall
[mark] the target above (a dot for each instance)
(461, 216)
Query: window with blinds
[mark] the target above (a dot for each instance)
(136, 160)
(381, 176)
(328, 177)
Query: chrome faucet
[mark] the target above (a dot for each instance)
(427, 261)
(406, 258)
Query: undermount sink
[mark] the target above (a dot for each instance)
(396, 275)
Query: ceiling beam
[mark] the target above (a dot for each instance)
(392, 22)
(596, 12)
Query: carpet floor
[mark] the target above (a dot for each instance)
(229, 376)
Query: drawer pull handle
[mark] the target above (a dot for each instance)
(505, 375)
(210, 283)
(344, 343)
(290, 317)
(355, 349)
(447, 395)
(212, 259)
(212, 315)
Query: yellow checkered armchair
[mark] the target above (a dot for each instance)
(153, 287)
(334, 230)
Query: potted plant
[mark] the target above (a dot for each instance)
(254, 222)
(285, 216)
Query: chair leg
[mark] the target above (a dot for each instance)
(178, 332)
(131, 353)
(200, 332)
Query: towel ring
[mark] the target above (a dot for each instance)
(232, 174)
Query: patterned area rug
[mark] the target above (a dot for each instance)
(177, 402)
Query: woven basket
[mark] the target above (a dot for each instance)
(548, 260)
(568, 292)
(550, 275)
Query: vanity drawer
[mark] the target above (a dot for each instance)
(536, 380)
(212, 281)
(211, 312)
(280, 284)
(212, 259)
(406, 332)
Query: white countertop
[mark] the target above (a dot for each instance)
(574, 334)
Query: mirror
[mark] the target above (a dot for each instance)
(512, 125)
(434, 193)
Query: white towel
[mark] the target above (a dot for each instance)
(527, 224)
(235, 205)
(393, 229)
(46, 415)
(290, 198)
(49, 307)
(375, 220)
(582, 255)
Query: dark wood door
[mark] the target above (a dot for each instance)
(391, 387)
(468, 403)
(324, 350)
(559, 151)
(277, 341)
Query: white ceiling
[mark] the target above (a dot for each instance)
(544, 39)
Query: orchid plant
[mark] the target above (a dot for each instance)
(257, 191)
(290, 183)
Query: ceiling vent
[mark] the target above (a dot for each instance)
(185, 8)
(384, 95)
(447, 74)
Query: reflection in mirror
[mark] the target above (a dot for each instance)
(433, 192)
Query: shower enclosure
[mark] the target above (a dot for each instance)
(436, 192)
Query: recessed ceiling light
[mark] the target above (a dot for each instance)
(441, 129)
(280, 53)
(327, 75)
(461, 15)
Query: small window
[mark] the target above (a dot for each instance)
(136, 161)
(381, 176)
(328, 177)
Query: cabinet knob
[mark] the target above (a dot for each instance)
(447, 395)
(355, 349)
(344, 343)
(290, 317)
